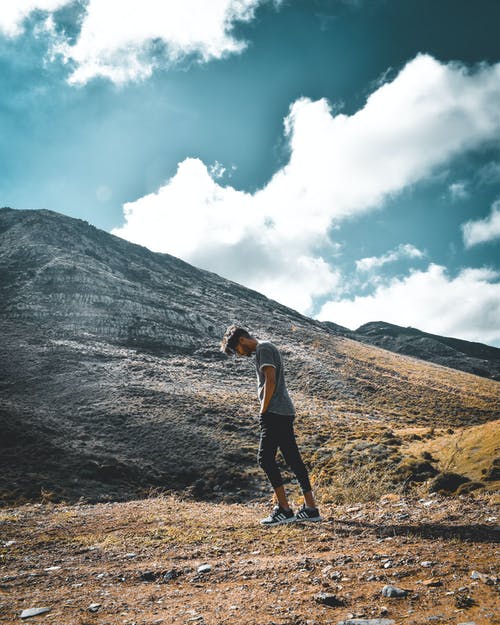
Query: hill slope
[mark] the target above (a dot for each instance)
(113, 383)
(474, 358)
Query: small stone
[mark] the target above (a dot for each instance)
(93, 607)
(33, 612)
(148, 576)
(204, 568)
(52, 568)
(388, 564)
(328, 599)
(130, 555)
(9, 543)
(393, 591)
(468, 623)
(487, 579)
(169, 575)
(426, 564)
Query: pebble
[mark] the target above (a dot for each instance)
(393, 591)
(487, 579)
(52, 568)
(328, 599)
(33, 612)
(426, 564)
(204, 568)
(93, 607)
(9, 543)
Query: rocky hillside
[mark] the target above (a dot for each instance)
(474, 358)
(112, 383)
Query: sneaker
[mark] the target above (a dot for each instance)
(308, 514)
(278, 516)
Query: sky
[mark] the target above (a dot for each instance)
(340, 156)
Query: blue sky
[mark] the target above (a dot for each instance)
(340, 156)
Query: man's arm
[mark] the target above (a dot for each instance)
(269, 386)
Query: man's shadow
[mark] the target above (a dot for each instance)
(478, 533)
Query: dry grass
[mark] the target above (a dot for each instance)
(468, 451)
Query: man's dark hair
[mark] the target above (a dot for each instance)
(231, 338)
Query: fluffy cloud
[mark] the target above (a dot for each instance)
(467, 306)
(339, 166)
(124, 40)
(483, 230)
(14, 12)
(405, 250)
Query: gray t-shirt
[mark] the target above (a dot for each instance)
(266, 354)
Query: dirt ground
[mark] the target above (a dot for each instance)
(137, 562)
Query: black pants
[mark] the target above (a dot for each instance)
(277, 431)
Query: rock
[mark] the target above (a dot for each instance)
(9, 543)
(393, 591)
(487, 579)
(328, 599)
(367, 621)
(168, 575)
(204, 568)
(427, 564)
(29, 612)
(52, 568)
(148, 576)
(93, 607)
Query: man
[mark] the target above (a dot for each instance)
(277, 414)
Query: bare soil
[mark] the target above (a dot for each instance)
(120, 556)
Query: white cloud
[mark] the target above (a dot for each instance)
(339, 166)
(405, 250)
(467, 306)
(14, 12)
(458, 191)
(483, 230)
(125, 41)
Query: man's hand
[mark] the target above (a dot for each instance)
(269, 387)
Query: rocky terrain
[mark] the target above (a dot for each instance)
(113, 386)
(398, 560)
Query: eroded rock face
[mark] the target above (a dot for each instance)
(63, 272)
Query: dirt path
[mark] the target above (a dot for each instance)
(137, 562)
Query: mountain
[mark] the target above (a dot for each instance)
(476, 358)
(113, 384)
